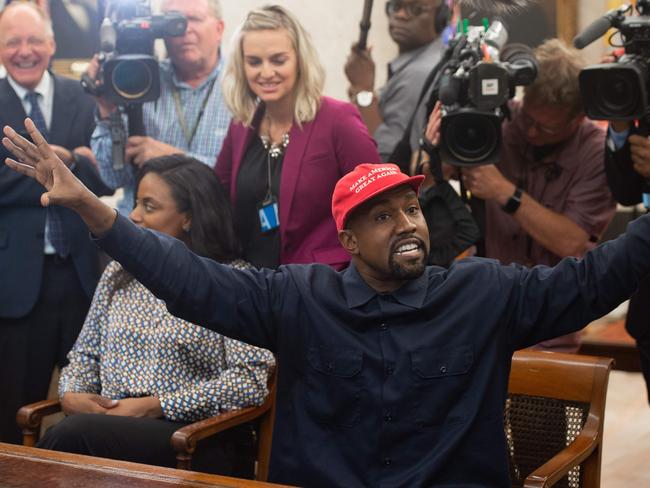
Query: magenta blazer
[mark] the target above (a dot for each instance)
(325, 149)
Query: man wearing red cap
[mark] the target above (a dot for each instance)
(391, 372)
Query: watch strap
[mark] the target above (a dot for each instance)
(513, 202)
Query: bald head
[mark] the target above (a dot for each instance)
(26, 43)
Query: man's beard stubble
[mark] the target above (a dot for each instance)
(407, 272)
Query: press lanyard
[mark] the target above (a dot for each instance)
(189, 136)
(267, 209)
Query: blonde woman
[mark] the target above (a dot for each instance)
(287, 145)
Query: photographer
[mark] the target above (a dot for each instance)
(189, 117)
(415, 26)
(547, 197)
(627, 165)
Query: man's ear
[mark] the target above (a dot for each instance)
(349, 241)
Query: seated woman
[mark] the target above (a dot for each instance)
(288, 144)
(136, 372)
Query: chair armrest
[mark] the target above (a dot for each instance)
(184, 439)
(568, 458)
(30, 416)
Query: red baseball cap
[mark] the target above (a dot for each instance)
(365, 182)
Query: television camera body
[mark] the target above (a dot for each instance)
(129, 74)
(619, 90)
(479, 77)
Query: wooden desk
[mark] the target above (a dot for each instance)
(30, 467)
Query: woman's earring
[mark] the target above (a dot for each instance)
(186, 227)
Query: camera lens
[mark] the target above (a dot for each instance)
(617, 93)
(132, 79)
(471, 137)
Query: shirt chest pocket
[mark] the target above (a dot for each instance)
(441, 377)
(334, 385)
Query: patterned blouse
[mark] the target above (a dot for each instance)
(131, 346)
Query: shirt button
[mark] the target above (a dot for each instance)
(389, 370)
(443, 369)
(383, 326)
(388, 417)
(387, 461)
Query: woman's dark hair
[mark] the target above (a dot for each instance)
(197, 192)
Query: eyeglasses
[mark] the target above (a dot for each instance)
(412, 9)
(529, 122)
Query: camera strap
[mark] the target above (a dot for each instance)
(189, 136)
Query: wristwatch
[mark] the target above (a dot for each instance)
(364, 98)
(513, 202)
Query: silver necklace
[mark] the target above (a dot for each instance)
(275, 149)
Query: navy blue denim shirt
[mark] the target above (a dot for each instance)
(406, 389)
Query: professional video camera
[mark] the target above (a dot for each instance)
(479, 76)
(129, 70)
(618, 91)
(129, 73)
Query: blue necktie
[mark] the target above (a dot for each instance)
(53, 220)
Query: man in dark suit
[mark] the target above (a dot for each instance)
(48, 266)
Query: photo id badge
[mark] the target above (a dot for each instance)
(268, 214)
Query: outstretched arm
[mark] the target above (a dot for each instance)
(244, 305)
(38, 161)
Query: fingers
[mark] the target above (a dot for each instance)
(20, 147)
(432, 132)
(42, 145)
(23, 169)
(104, 402)
(135, 141)
(134, 155)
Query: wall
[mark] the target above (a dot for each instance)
(334, 26)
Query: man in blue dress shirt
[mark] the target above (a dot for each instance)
(391, 373)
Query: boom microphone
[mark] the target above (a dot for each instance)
(599, 27)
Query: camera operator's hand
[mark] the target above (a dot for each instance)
(640, 153)
(360, 70)
(140, 149)
(105, 107)
(432, 131)
(487, 182)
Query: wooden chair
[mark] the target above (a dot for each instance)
(554, 419)
(184, 440)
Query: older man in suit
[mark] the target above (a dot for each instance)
(48, 266)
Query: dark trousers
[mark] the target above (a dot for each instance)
(147, 441)
(31, 346)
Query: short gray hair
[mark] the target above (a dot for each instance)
(214, 6)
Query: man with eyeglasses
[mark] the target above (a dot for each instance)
(415, 26)
(547, 197)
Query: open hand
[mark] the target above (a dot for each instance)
(39, 161)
